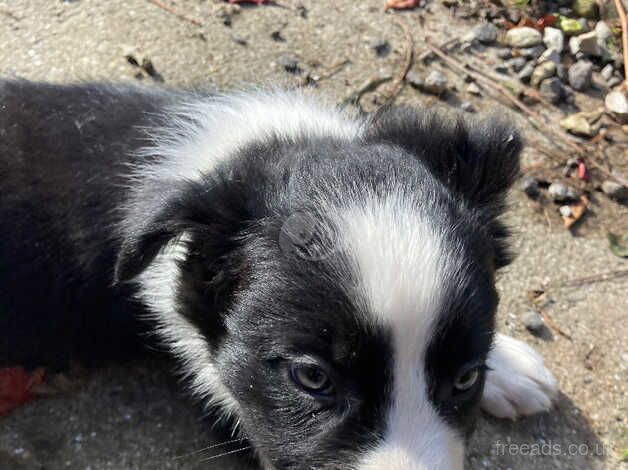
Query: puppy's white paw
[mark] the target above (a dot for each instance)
(517, 382)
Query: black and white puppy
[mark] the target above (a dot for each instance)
(325, 280)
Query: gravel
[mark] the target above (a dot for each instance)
(530, 186)
(533, 321)
(614, 190)
(580, 75)
(554, 38)
(541, 72)
(486, 33)
(523, 37)
(435, 83)
(552, 89)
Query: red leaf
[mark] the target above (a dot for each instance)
(16, 387)
(401, 4)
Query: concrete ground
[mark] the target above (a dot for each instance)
(135, 417)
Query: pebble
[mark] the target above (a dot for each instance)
(603, 31)
(474, 89)
(614, 190)
(550, 55)
(561, 72)
(541, 72)
(467, 107)
(532, 52)
(486, 33)
(523, 36)
(289, 63)
(504, 53)
(530, 186)
(607, 72)
(588, 44)
(516, 64)
(584, 8)
(381, 47)
(554, 38)
(565, 211)
(552, 90)
(617, 103)
(580, 75)
(582, 123)
(501, 68)
(613, 81)
(560, 192)
(435, 83)
(533, 321)
(414, 79)
(526, 72)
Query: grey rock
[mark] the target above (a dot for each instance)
(289, 63)
(565, 211)
(381, 47)
(561, 72)
(617, 103)
(554, 38)
(533, 321)
(526, 72)
(523, 37)
(414, 79)
(550, 55)
(504, 53)
(580, 75)
(589, 44)
(607, 72)
(614, 190)
(467, 107)
(532, 52)
(560, 192)
(613, 81)
(541, 72)
(603, 31)
(486, 33)
(516, 64)
(501, 68)
(552, 90)
(435, 83)
(530, 186)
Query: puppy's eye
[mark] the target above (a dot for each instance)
(312, 379)
(467, 378)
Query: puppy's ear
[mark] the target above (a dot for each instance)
(214, 210)
(477, 158)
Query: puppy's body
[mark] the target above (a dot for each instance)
(274, 242)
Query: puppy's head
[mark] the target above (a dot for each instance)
(336, 297)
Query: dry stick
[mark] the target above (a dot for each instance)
(407, 63)
(534, 117)
(534, 297)
(624, 38)
(179, 15)
(369, 85)
(581, 281)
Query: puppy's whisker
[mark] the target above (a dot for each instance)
(205, 449)
(224, 454)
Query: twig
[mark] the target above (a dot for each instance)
(552, 324)
(581, 281)
(624, 38)
(369, 85)
(407, 63)
(533, 117)
(446, 44)
(179, 15)
(333, 70)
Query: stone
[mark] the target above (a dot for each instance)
(381, 47)
(614, 190)
(603, 31)
(616, 102)
(533, 321)
(523, 36)
(530, 186)
(585, 8)
(569, 26)
(532, 52)
(550, 55)
(565, 211)
(414, 79)
(554, 38)
(516, 63)
(607, 72)
(504, 53)
(467, 107)
(613, 81)
(552, 90)
(501, 68)
(580, 75)
(289, 63)
(474, 89)
(541, 72)
(486, 33)
(589, 44)
(559, 192)
(561, 72)
(435, 83)
(583, 124)
(526, 72)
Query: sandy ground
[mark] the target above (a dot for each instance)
(135, 417)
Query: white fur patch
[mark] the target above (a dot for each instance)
(518, 383)
(158, 285)
(402, 266)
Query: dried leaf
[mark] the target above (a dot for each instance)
(578, 209)
(619, 244)
(17, 385)
(401, 4)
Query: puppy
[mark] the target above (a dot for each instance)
(326, 281)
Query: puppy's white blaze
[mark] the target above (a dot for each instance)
(157, 289)
(201, 134)
(401, 266)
